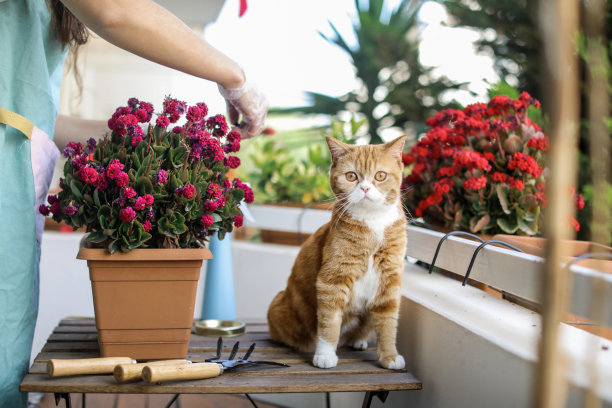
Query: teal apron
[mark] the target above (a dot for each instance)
(31, 63)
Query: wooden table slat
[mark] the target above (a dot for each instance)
(357, 370)
(228, 384)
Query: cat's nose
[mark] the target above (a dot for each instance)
(365, 189)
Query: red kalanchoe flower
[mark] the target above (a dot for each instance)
(162, 121)
(139, 204)
(446, 172)
(214, 190)
(148, 199)
(88, 174)
(136, 140)
(238, 221)
(101, 182)
(218, 125)
(232, 162)
(514, 183)
(211, 206)
(162, 176)
(122, 179)
(575, 224)
(189, 191)
(127, 214)
(113, 169)
(248, 195)
(128, 192)
(207, 220)
(540, 143)
(475, 183)
(579, 202)
(44, 210)
(56, 208)
(499, 177)
(194, 114)
(147, 225)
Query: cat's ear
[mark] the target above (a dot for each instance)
(336, 147)
(396, 147)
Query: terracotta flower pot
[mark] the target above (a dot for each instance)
(144, 300)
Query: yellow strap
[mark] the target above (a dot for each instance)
(16, 121)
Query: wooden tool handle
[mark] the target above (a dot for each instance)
(103, 365)
(196, 371)
(132, 372)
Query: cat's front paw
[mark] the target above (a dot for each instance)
(393, 363)
(360, 344)
(325, 360)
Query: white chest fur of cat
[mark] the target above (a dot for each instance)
(377, 215)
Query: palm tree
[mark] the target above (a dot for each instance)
(395, 89)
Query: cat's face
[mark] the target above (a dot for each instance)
(368, 176)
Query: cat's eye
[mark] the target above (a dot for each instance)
(380, 176)
(351, 176)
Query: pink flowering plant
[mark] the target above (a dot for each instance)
(161, 185)
(482, 169)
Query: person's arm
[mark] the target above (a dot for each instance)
(71, 129)
(146, 29)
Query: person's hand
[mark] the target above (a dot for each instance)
(249, 102)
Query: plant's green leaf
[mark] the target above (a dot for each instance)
(189, 205)
(174, 184)
(97, 237)
(237, 194)
(136, 159)
(74, 187)
(96, 197)
(145, 165)
(526, 227)
(502, 195)
(479, 223)
(508, 226)
(113, 246)
(104, 213)
(217, 217)
(177, 156)
(144, 186)
(179, 228)
(184, 176)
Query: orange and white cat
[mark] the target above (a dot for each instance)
(345, 282)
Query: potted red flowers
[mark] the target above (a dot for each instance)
(482, 169)
(149, 196)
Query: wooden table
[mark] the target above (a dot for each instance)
(356, 370)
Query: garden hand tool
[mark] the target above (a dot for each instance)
(133, 372)
(212, 367)
(102, 365)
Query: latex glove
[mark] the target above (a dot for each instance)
(249, 102)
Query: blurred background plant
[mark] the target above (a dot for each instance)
(395, 90)
(293, 167)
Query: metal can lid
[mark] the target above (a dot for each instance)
(223, 328)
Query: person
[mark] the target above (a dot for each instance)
(35, 37)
